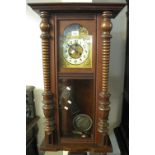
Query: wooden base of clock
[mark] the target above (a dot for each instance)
(82, 153)
(80, 147)
(77, 153)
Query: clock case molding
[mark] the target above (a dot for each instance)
(102, 14)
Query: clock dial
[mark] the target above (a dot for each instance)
(75, 51)
(76, 47)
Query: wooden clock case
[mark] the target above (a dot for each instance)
(97, 18)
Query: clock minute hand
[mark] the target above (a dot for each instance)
(73, 48)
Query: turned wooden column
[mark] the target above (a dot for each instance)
(48, 107)
(104, 95)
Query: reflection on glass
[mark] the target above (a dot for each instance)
(74, 117)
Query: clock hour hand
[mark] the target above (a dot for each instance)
(74, 49)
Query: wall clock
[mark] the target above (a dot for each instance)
(76, 51)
